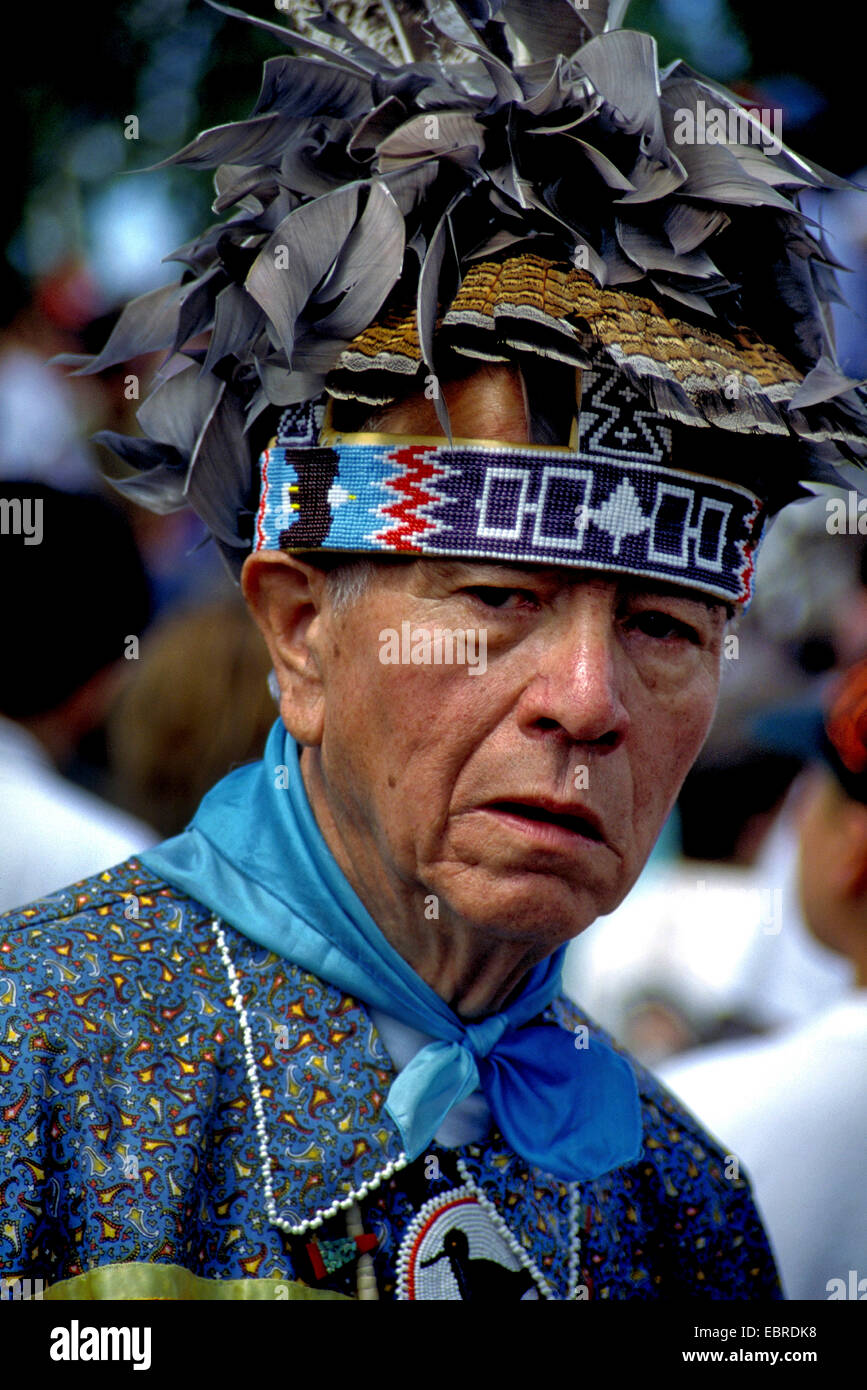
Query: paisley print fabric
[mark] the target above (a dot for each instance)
(128, 1132)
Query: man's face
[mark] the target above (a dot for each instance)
(525, 798)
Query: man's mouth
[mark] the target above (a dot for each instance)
(572, 819)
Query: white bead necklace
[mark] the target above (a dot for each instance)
(252, 1070)
(348, 1203)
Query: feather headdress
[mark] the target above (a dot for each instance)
(497, 178)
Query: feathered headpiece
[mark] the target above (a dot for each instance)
(513, 180)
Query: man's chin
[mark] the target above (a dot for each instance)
(533, 905)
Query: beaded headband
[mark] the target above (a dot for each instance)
(607, 502)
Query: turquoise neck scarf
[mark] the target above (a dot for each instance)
(256, 857)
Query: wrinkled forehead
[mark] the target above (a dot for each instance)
(608, 499)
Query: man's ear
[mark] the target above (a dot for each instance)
(285, 596)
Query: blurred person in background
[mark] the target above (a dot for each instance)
(67, 637)
(196, 706)
(793, 1107)
(36, 325)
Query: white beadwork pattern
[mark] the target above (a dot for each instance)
(274, 1217)
(499, 1224)
(575, 1241)
(478, 1223)
(574, 1235)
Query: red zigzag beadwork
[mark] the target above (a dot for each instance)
(417, 469)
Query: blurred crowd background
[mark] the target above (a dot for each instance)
(132, 678)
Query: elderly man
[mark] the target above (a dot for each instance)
(314, 1046)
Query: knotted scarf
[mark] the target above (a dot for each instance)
(256, 857)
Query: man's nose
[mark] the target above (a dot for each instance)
(579, 684)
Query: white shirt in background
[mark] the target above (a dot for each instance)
(53, 833)
(793, 1108)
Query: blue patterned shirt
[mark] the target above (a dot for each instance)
(129, 1133)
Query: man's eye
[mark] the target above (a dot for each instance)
(663, 626)
(496, 597)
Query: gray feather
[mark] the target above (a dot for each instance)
(297, 255)
(235, 183)
(410, 143)
(220, 473)
(376, 125)
(622, 67)
(175, 412)
(367, 268)
(147, 324)
(237, 319)
(821, 383)
(428, 301)
(241, 142)
(158, 482)
(196, 309)
(547, 30)
(304, 87)
(287, 388)
(654, 179)
(688, 226)
(648, 250)
(602, 164)
(292, 39)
